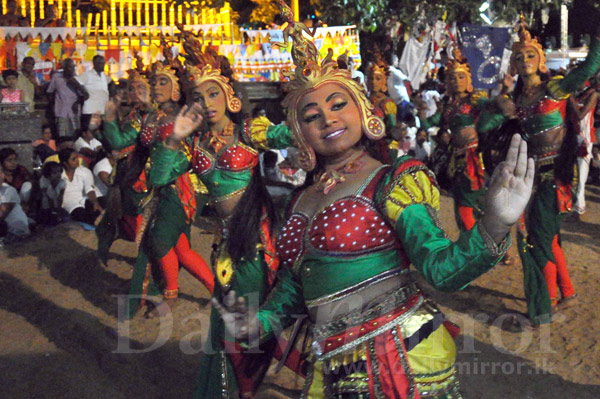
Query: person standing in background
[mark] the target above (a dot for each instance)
(68, 95)
(28, 83)
(95, 82)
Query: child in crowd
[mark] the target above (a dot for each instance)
(13, 221)
(52, 189)
(46, 146)
(11, 94)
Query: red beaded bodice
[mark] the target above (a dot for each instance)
(349, 226)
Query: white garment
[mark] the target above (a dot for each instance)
(76, 191)
(583, 163)
(395, 85)
(50, 194)
(422, 153)
(97, 87)
(16, 219)
(80, 143)
(414, 59)
(101, 166)
(360, 78)
(430, 97)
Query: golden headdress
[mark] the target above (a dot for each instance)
(161, 69)
(205, 65)
(309, 75)
(459, 65)
(526, 41)
(138, 74)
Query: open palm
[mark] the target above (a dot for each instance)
(511, 185)
(187, 121)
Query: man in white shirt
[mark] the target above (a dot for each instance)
(88, 146)
(79, 198)
(397, 88)
(96, 83)
(422, 148)
(102, 171)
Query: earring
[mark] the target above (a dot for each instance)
(374, 128)
(235, 105)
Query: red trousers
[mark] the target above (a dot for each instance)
(466, 215)
(557, 274)
(190, 260)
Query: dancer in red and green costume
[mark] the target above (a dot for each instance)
(387, 148)
(461, 114)
(539, 103)
(167, 211)
(123, 216)
(347, 246)
(225, 158)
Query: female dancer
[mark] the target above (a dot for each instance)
(124, 215)
(225, 157)
(539, 103)
(168, 210)
(460, 114)
(346, 248)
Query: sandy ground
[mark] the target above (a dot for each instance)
(59, 336)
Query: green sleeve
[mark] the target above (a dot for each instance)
(574, 79)
(489, 119)
(167, 165)
(447, 265)
(284, 305)
(119, 139)
(279, 137)
(433, 120)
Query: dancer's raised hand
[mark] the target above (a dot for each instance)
(509, 191)
(188, 120)
(240, 322)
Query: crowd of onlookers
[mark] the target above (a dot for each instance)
(72, 166)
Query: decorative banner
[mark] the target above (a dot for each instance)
(484, 48)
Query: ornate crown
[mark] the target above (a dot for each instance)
(311, 73)
(205, 65)
(526, 41)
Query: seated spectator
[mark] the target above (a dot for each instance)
(422, 148)
(46, 146)
(102, 171)
(79, 199)
(52, 189)
(88, 147)
(11, 94)
(61, 143)
(13, 221)
(16, 175)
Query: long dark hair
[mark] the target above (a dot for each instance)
(245, 223)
